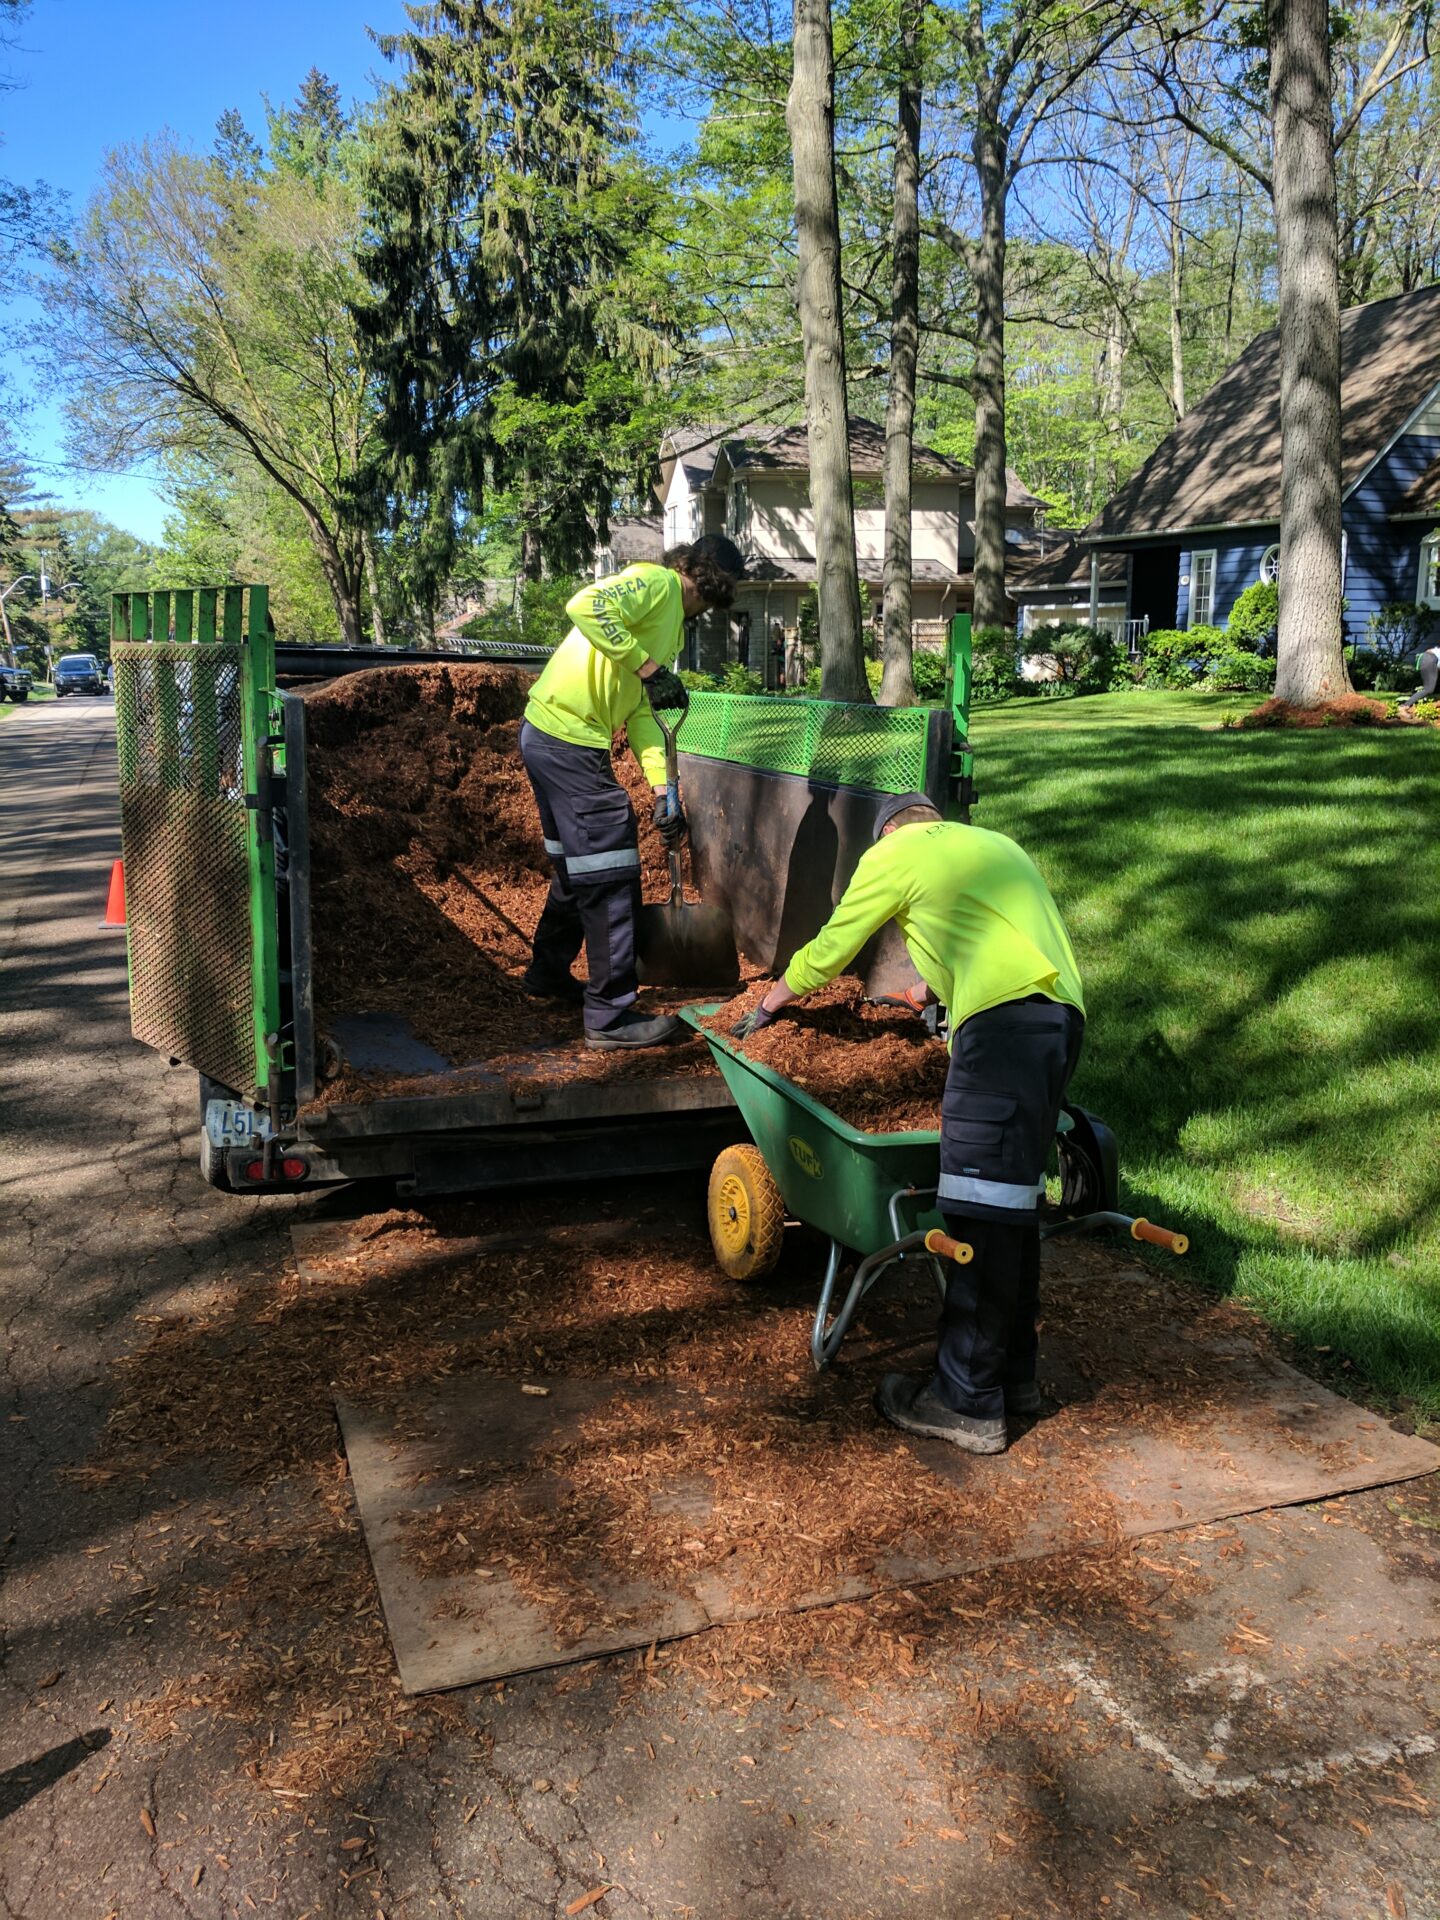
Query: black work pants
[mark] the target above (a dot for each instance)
(591, 838)
(1009, 1068)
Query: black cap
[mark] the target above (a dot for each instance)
(901, 803)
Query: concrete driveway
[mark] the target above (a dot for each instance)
(1237, 1719)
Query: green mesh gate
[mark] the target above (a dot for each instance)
(194, 681)
(882, 748)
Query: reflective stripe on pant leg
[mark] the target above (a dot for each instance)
(1008, 1194)
(596, 866)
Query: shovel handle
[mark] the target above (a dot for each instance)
(672, 797)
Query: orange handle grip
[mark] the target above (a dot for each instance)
(1159, 1236)
(959, 1251)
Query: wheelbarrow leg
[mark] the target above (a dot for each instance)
(825, 1341)
(822, 1348)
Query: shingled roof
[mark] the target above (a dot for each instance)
(787, 450)
(1221, 466)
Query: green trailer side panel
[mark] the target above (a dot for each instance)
(195, 722)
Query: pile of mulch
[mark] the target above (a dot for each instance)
(1350, 710)
(428, 871)
(878, 1068)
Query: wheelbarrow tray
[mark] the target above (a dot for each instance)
(830, 1174)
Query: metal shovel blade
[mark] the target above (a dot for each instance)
(683, 946)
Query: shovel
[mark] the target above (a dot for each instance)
(680, 945)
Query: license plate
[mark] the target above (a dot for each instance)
(230, 1123)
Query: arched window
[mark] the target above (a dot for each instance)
(1270, 565)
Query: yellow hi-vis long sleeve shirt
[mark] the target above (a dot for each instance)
(977, 918)
(591, 687)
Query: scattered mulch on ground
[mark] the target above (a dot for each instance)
(877, 1068)
(275, 1584)
(1350, 710)
(428, 871)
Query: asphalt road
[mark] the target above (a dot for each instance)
(1254, 1731)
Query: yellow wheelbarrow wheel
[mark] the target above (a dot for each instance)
(746, 1213)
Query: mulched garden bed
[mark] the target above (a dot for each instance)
(1350, 710)
(877, 1068)
(428, 872)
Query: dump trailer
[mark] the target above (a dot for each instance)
(214, 809)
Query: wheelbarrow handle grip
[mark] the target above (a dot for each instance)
(1159, 1236)
(960, 1251)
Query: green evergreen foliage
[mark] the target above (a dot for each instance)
(506, 213)
(1255, 617)
(540, 619)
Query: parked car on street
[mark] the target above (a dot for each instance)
(78, 673)
(15, 682)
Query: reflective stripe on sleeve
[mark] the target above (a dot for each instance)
(621, 860)
(991, 1193)
(555, 850)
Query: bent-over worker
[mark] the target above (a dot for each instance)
(610, 671)
(988, 941)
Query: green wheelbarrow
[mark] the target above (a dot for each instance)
(873, 1194)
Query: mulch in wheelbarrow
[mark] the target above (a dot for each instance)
(428, 872)
(607, 1444)
(876, 1068)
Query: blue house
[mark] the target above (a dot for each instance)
(1200, 521)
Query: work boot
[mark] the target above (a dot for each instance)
(553, 986)
(633, 1030)
(1023, 1401)
(907, 1401)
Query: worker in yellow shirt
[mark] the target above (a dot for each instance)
(988, 943)
(610, 671)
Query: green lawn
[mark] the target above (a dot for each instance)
(1256, 921)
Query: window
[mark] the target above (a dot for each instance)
(739, 510)
(1270, 566)
(672, 526)
(1428, 592)
(697, 516)
(1202, 589)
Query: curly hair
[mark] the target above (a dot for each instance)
(715, 564)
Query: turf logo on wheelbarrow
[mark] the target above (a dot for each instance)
(806, 1158)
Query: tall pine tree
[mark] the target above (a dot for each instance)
(505, 210)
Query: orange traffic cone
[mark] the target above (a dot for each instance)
(115, 904)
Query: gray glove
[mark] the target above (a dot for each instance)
(752, 1022)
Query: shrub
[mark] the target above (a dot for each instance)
(1232, 670)
(733, 678)
(1176, 657)
(994, 664)
(698, 682)
(1394, 633)
(1088, 658)
(930, 672)
(1254, 618)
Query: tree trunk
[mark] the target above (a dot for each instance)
(1177, 309)
(1310, 663)
(1114, 393)
(897, 684)
(343, 581)
(372, 582)
(810, 118)
(988, 148)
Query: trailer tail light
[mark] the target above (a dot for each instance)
(290, 1168)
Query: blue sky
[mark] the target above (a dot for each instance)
(96, 73)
